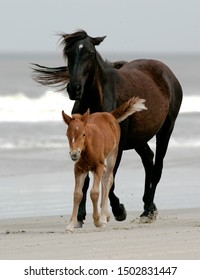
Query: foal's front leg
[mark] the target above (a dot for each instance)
(94, 194)
(78, 194)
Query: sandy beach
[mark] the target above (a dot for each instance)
(36, 202)
(175, 235)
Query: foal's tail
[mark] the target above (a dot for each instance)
(135, 104)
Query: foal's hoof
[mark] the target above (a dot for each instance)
(79, 224)
(100, 223)
(148, 217)
(108, 218)
(69, 230)
(103, 225)
(120, 213)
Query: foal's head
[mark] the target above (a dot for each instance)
(79, 49)
(76, 133)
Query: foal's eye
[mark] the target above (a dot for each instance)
(83, 134)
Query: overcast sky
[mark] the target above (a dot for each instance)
(130, 25)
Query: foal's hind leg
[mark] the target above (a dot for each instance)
(107, 182)
(94, 194)
(118, 209)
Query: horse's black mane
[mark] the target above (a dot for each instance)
(59, 76)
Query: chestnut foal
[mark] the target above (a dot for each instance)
(93, 141)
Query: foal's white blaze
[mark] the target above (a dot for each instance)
(73, 139)
(80, 46)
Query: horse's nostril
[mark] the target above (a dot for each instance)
(78, 87)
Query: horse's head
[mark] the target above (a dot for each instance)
(79, 49)
(76, 133)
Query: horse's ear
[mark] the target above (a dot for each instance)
(86, 115)
(97, 40)
(67, 119)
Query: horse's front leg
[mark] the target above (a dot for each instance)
(78, 194)
(94, 194)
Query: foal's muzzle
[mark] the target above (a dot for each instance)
(74, 91)
(75, 155)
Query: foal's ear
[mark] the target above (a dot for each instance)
(86, 115)
(67, 119)
(97, 40)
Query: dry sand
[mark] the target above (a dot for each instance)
(175, 235)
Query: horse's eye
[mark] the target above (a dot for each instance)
(83, 134)
(92, 54)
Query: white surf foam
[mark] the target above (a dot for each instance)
(21, 108)
(48, 107)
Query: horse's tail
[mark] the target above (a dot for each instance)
(135, 104)
(56, 76)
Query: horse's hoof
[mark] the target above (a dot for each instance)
(120, 214)
(79, 224)
(148, 217)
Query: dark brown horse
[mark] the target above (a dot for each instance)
(102, 86)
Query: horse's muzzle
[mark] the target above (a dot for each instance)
(74, 91)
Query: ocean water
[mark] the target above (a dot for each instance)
(32, 136)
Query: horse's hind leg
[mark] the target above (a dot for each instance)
(162, 141)
(147, 155)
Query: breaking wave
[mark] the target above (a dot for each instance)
(48, 107)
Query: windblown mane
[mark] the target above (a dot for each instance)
(59, 76)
